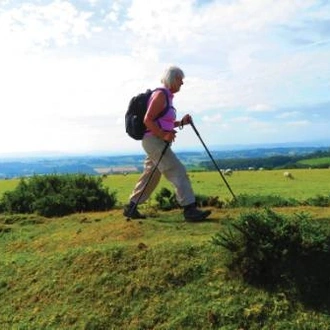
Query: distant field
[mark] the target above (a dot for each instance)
(7, 185)
(315, 161)
(306, 183)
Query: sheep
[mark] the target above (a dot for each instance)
(288, 175)
(228, 171)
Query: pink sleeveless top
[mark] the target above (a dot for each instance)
(166, 122)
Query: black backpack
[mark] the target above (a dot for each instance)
(136, 111)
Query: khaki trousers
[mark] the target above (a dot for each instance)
(170, 166)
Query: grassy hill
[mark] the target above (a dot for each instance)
(99, 271)
(321, 161)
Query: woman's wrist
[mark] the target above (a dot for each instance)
(179, 123)
(162, 134)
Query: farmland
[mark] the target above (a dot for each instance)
(306, 183)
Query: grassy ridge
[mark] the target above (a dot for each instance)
(98, 271)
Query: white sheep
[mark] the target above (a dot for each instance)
(228, 171)
(288, 175)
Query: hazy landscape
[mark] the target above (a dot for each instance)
(94, 164)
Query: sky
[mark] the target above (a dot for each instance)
(256, 71)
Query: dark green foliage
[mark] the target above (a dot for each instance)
(204, 201)
(270, 162)
(58, 195)
(244, 163)
(18, 201)
(270, 250)
(244, 200)
(323, 201)
(166, 200)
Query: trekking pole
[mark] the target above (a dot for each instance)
(131, 211)
(214, 162)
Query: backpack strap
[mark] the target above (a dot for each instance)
(163, 112)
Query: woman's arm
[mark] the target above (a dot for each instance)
(156, 106)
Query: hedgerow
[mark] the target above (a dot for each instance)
(166, 201)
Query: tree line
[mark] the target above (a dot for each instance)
(272, 162)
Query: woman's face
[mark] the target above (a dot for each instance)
(177, 84)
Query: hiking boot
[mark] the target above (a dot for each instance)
(191, 213)
(131, 211)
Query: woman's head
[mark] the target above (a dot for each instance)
(173, 78)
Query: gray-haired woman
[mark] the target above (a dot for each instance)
(161, 131)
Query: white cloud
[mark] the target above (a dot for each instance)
(75, 65)
(289, 114)
(218, 118)
(260, 108)
(32, 28)
(298, 123)
(242, 119)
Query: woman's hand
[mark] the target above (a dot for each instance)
(186, 119)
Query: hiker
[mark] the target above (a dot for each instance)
(160, 132)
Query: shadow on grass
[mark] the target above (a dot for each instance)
(276, 253)
(310, 273)
(305, 278)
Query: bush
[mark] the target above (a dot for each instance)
(58, 195)
(245, 200)
(203, 201)
(166, 200)
(270, 250)
(322, 201)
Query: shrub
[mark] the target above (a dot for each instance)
(322, 201)
(273, 251)
(202, 201)
(245, 200)
(166, 200)
(58, 195)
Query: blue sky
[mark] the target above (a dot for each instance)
(257, 71)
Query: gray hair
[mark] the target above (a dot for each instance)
(170, 75)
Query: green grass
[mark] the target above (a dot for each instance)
(7, 185)
(306, 183)
(315, 161)
(99, 271)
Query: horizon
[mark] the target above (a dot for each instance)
(197, 148)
